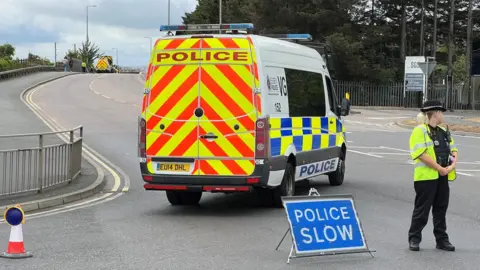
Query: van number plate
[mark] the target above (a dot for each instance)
(172, 167)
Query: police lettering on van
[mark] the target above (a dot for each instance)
(197, 56)
(309, 170)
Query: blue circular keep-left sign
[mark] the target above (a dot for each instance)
(13, 216)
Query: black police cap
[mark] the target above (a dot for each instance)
(433, 105)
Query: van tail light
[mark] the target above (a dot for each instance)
(142, 138)
(262, 142)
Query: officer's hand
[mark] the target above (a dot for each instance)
(443, 171)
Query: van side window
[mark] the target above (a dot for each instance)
(306, 93)
(331, 94)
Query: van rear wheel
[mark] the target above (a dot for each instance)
(183, 197)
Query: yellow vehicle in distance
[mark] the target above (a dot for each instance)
(105, 65)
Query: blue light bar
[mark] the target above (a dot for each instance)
(299, 36)
(207, 27)
(291, 36)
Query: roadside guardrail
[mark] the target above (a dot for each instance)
(24, 71)
(36, 161)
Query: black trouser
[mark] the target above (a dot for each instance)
(84, 69)
(430, 194)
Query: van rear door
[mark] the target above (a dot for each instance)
(172, 127)
(227, 103)
(200, 111)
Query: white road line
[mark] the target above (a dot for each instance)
(363, 147)
(468, 170)
(397, 149)
(466, 174)
(379, 153)
(366, 154)
(106, 96)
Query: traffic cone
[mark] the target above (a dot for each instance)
(16, 248)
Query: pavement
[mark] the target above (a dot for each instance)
(17, 118)
(141, 230)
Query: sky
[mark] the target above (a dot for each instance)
(34, 26)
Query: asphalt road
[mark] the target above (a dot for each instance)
(140, 230)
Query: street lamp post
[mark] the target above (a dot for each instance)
(86, 41)
(168, 13)
(116, 49)
(150, 38)
(151, 48)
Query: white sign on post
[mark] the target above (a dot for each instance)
(414, 78)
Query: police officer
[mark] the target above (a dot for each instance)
(84, 66)
(435, 156)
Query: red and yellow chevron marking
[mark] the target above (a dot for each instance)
(258, 98)
(226, 97)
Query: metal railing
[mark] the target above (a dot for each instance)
(391, 95)
(50, 159)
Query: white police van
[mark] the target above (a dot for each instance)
(277, 118)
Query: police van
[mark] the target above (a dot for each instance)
(236, 113)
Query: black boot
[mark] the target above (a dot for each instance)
(414, 246)
(445, 245)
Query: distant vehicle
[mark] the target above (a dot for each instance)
(236, 113)
(105, 65)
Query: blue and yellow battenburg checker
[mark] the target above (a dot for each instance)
(306, 133)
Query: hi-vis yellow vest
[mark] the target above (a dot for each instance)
(84, 64)
(420, 142)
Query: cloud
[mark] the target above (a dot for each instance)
(34, 26)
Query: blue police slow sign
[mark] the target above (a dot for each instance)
(324, 224)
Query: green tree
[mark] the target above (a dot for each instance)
(89, 52)
(370, 41)
(7, 51)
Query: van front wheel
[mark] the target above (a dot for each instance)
(183, 197)
(336, 178)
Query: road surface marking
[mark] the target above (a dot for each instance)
(362, 153)
(363, 147)
(28, 100)
(466, 174)
(105, 96)
(388, 118)
(88, 150)
(389, 153)
(397, 149)
(469, 170)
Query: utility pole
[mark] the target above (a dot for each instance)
(150, 38)
(74, 47)
(86, 40)
(168, 12)
(116, 49)
(55, 58)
